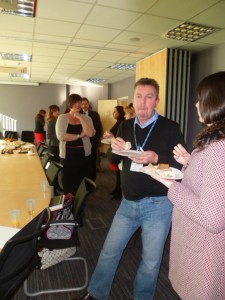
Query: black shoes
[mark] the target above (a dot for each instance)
(86, 296)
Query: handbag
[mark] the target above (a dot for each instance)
(63, 232)
(56, 232)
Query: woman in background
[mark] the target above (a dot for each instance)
(51, 138)
(74, 130)
(39, 132)
(129, 111)
(118, 115)
(197, 255)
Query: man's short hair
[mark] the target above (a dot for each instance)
(148, 81)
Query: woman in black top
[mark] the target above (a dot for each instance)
(118, 114)
(39, 132)
(73, 131)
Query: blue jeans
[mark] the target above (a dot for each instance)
(153, 214)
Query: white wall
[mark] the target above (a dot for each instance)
(122, 88)
(24, 102)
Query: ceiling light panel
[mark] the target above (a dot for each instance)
(122, 66)
(18, 7)
(96, 80)
(190, 32)
(16, 57)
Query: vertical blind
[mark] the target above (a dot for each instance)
(177, 87)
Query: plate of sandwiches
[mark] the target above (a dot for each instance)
(162, 170)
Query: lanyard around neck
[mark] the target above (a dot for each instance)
(138, 147)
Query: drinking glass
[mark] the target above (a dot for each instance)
(31, 206)
(14, 215)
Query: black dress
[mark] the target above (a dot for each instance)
(76, 164)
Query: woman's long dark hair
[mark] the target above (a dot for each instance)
(211, 97)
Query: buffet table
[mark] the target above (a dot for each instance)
(21, 174)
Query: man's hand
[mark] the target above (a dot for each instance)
(145, 157)
(118, 144)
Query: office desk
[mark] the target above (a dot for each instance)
(20, 177)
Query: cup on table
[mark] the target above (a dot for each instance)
(44, 185)
(30, 206)
(14, 215)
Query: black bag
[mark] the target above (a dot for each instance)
(62, 231)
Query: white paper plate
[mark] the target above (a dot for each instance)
(127, 152)
(106, 141)
(151, 171)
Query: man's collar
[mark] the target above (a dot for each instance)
(150, 121)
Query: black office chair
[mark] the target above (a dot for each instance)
(84, 189)
(27, 136)
(11, 135)
(19, 255)
(53, 176)
(46, 159)
(39, 145)
(42, 150)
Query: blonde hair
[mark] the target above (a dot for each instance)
(129, 112)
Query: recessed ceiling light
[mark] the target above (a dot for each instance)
(122, 66)
(135, 39)
(96, 80)
(24, 8)
(189, 32)
(16, 56)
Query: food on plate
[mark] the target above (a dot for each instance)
(127, 146)
(163, 170)
(150, 166)
(163, 166)
(166, 174)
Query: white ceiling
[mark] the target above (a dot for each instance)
(73, 40)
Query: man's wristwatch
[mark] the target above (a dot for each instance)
(78, 136)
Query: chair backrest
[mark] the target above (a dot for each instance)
(19, 255)
(46, 159)
(86, 186)
(39, 145)
(52, 172)
(11, 134)
(27, 136)
(41, 149)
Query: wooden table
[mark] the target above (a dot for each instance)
(20, 179)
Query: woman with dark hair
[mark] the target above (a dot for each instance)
(197, 256)
(74, 130)
(51, 138)
(119, 116)
(39, 132)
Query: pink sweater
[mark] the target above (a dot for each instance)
(197, 254)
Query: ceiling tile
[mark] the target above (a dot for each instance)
(110, 17)
(57, 28)
(181, 10)
(97, 33)
(134, 5)
(63, 10)
(213, 16)
(153, 25)
(16, 23)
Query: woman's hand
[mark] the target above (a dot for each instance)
(181, 155)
